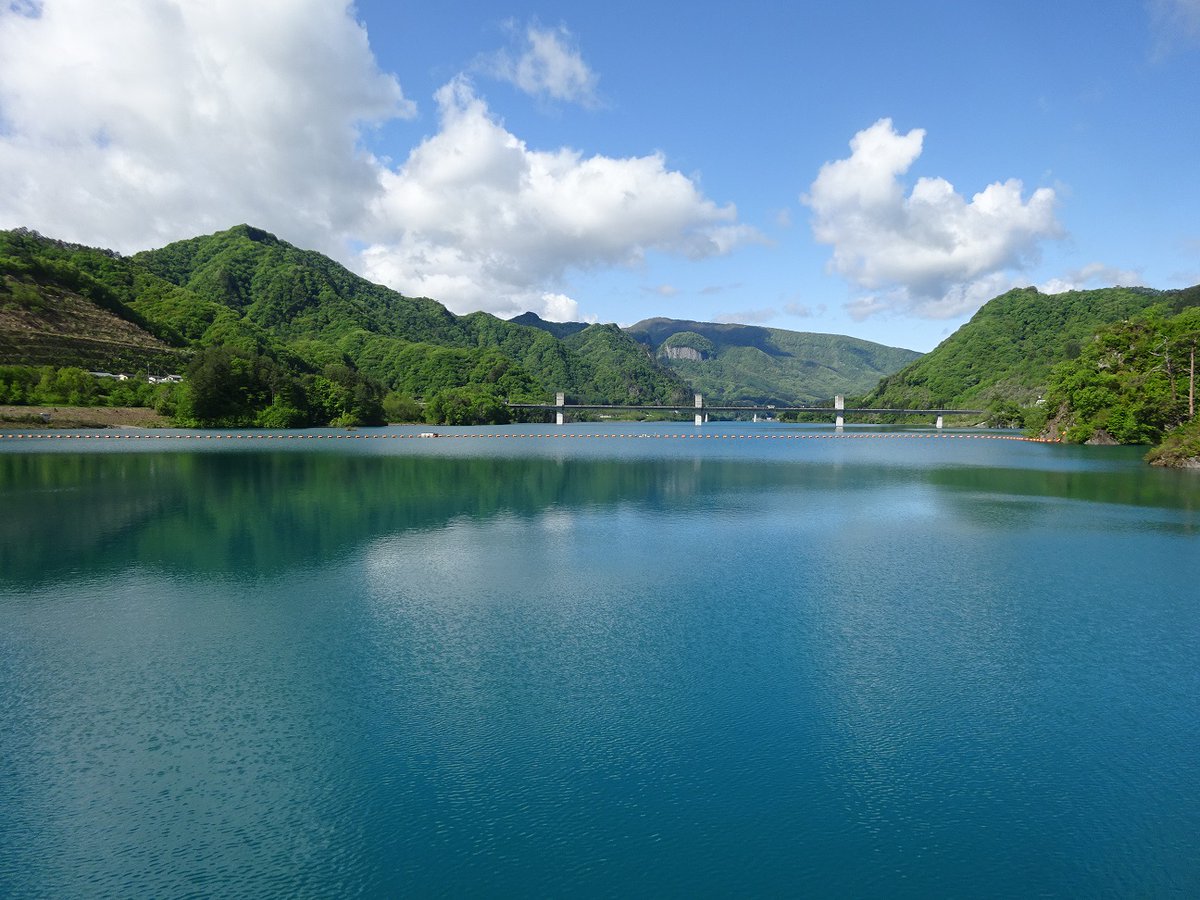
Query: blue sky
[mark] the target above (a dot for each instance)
(863, 168)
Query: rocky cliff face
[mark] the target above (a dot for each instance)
(684, 353)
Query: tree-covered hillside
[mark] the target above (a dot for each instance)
(1003, 356)
(272, 334)
(294, 292)
(411, 344)
(1132, 383)
(66, 305)
(752, 364)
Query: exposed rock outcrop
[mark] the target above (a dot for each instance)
(1101, 439)
(684, 353)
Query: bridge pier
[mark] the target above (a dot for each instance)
(700, 410)
(939, 423)
(839, 404)
(560, 400)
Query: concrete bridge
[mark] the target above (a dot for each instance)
(839, 411)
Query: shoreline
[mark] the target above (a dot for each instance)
(55, 417)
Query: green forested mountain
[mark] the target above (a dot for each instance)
(1133, 382)
(292, 292)
(272, 334)
(311, 303)
(1003, 356)
(752, 364)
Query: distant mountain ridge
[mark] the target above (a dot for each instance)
(750, 364)
(559, 329)
(754, 364)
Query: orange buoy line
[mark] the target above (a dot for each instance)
(915, 435)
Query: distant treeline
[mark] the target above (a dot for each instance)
(224, 387)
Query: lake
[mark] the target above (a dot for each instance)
(603, 660)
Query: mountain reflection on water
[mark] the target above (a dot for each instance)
(227, 512)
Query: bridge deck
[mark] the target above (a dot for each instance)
(683, 409)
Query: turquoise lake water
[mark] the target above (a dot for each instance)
(648, 660)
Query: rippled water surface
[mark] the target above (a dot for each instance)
(765, 662)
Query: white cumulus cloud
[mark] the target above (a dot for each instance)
(134, 122)
(925, 251)
(547, 66)
(478, 220)
(1093, 275)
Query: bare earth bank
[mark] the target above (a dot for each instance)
(25, 417)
